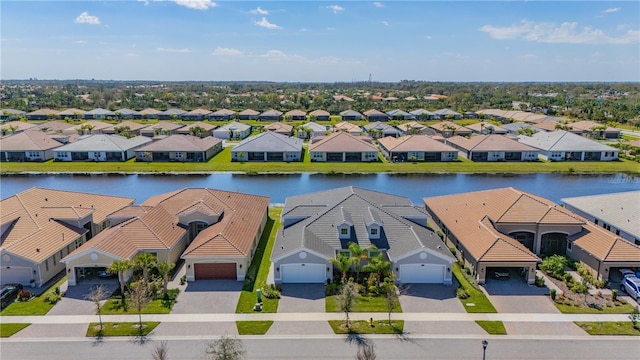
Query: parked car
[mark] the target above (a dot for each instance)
(9, 292)
(631, 285)
(627, 272)
(104, 274)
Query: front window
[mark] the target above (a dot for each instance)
(374, 231)
(344, 231)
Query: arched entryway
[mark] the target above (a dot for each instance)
(526, 238)
(553, 244)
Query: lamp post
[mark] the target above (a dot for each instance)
(485, 343)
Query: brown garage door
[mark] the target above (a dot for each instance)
(215, 271)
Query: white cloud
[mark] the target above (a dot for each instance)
(146, 2)
(183, 50)
(378, 4)
(259, 11)
(428, 37)
(275, 54)
(528, 57)
(80, 42)
(85, 18)
(598, 54)
(131, 55)
(220, 51)
(565, 33)
(611, 10)
(196, 4)
(331, 29)
(304, 30)
(385, 23)
(335, 8)
(266, 24)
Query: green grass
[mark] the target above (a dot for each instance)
(222, 162)
(114, 307)
(253, 327)
(363, 327)
(608, 328)
(35, 306)
(259, 269)
(363, 304)
(8, 330)
(492, 327)
(121, 329)
(570, 309)
(477, 302)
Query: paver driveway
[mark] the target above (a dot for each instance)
(299, 298)
(74, 301)
(208, 296)
(430, 298)
(516, 296)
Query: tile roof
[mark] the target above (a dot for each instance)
(604, 245)
(295, 112)
(561, 140)
(150, 111)
(96, 125)
(186, 143)
(621, 210)
(133, 126)
(446, 112)
(588, 125)
(28, 141)
(395, 112)
(269, 141)
(44, 111)
(37, 216)
(412, 125)
(319, 112)
(443, 126)
(199, 112)
(125, 111)
(342, 142)
(71, 111)
(18, 125)
(271, 112)
(279, 127)
(418, 112)
(100, 111)
(347, 126)
(314, 126)
(249, 112)
(102, 142)
(480, 126)
(223, 112)
(235, 125)
(489, 143)
(54, 126)
(413, 143)
(350, 113)
(173, 111)
(374, 112)
(164, 125)
(381, 126)
(187, 129)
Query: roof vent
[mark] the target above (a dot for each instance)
(46, 199)
(37, 249)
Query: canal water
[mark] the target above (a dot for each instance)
(278, 187)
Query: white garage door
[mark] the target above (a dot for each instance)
(15, 275)
(303, 273)
(422, 274)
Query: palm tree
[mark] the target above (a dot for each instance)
(357, 255)
(120, 267)
(343, 263)
(164, 268)
(145, 261)
(379, 266)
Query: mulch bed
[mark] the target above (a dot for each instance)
(568, 297)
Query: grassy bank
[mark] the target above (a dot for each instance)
(477, 301)
(363, 327)
(367, 303)
(608, 328)
(492, 327)
(121, 329)
(253, 327)
(35, 306)
(8, 330)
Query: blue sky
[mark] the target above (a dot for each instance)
(322, 41)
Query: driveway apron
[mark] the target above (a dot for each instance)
(516, 296)
(430, 298)
(208, 296)
(299, 298)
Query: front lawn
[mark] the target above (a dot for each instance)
(608, 328)
(253, 327)
(114, 306)
(571, 309)
(366, 303)
(8, 330)
(492, 327)
(259, 269)
(477, 301)
(121, 329)
(363, 327)
(35, 306)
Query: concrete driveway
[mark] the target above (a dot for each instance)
(74, 301)
(298, 298)
(516, 296)
(430, 298)
(208, 297)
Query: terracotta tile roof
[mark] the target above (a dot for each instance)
(295, 113)
(443, 126)
(413, 143)
(44, 111)
(185, 143)
(223, 112)
(531, 209)
(319, 113)
(199, 112)
(133, 126)
(588, 125)
(489, 143)
(18, 125)
(342, 142)
(249, 112)
(164, 125)
(28, 141)
(605, 245)
(37, 216)
(412, 125)
(71, 112)
(53, 126)
(150, 111)
(347, 126)
(279, 127)
(97, 125)
(204, 125)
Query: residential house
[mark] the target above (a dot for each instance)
(562, 145)
(150, 113)
(11, 114)
(187, 148)
(320, 226)
(379, 130)
(268, 146)
(446, 114)
(55, 127)
(71, 113)
(618, 213)
(172, 114)
(398, 114)
(374, 115)
(415, 128)
(128, 114)
(99, 114)
(348, 127)
(125, 128)
(280, 128)
(295, 115)
(506, 229)
(196, 115)
(312, 129)
(517, 128)
(416, 148)
(14, 127)
(28, 146)
(222, 115)
(552, 126)
(343, 147)
(470, 115)
(319, 115)
(492, 148)
(164, 128)
(248, 114)
(484, 128)
(448, 129)
(423, 115)
(91, 127)
(350, 115)
(41, 226)
(199, 129)
(42, 114)
(100, 147)
(342, 98)
(596, 130)
(270, 115)
(232, 130)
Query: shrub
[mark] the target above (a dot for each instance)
(579, 288)
(614, 294)
(332, 289)
(555, 266)
(600, 284)
(52, 297)
(453, 251)
(568, 279)
(539, 281)
(552, 293)
(271, 291)
(440, 234)
(467, 270)
(462, 293)
(24, 295)
(183, 280)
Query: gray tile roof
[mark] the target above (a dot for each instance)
(446, 112)
(562, 141)
(186, 143)
(100, 142)
(125, 111)
(421, 112)
(400, 235)
(269, 141)
(350, 113)
(174, 111)
(100, 111)
(621, 210)
(235, 125)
